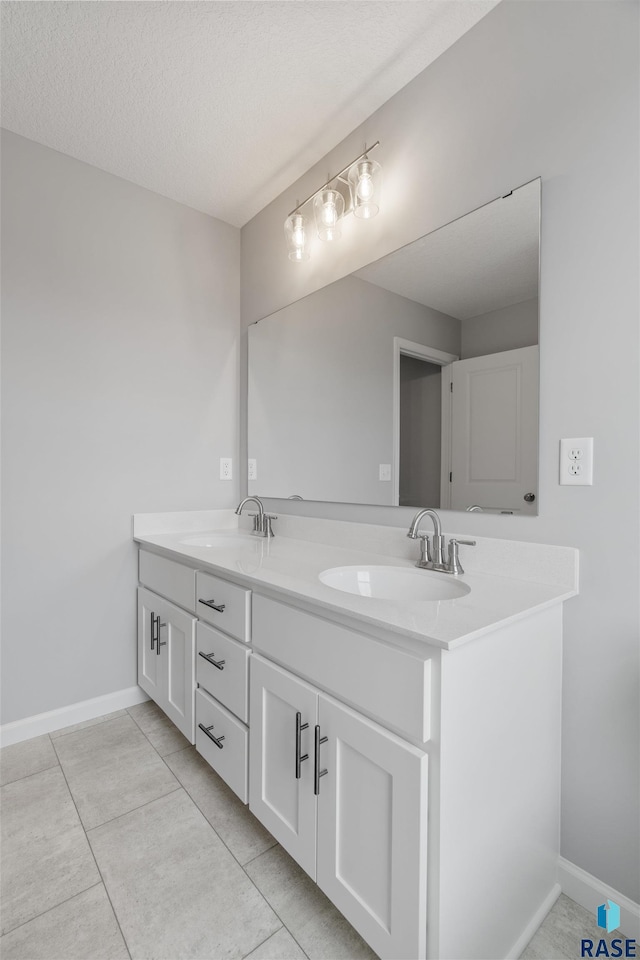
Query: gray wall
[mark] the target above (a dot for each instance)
(507, 329)
(549, 90)
(333, 353)
(120, 355)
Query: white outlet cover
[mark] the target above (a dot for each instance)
(226, 468)
(252, 469)
(384, 472)
(576, 461)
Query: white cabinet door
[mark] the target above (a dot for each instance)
(176, 637)
(149, 669)
(166, 654)
(372, 831)
(284, 803)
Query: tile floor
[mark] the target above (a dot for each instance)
(119, 841)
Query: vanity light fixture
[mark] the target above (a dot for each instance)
(365, 181)
(356, 188)
(296, 231)
(328, 207)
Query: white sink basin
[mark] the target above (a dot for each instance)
(394, 583)
(218, 540)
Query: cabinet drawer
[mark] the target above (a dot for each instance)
(229, 681)
(168, 578)
(230, 759)
(235, 617)
(390, 685)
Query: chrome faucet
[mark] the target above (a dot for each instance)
(432, 553)
(261, 520)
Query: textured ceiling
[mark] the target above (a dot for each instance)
(483, 261)
(219, 104)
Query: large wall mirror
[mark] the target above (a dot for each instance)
(412, 382)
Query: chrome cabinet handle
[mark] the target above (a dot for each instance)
(159, 642)
(153, 630)
(207, 730)
(529, 497)
(214, 606)
(300, 726)
(317, 773)
(209, 658)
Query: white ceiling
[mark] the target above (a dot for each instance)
(219, 104)
(481, 262)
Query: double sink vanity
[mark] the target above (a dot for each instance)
(396, 729)
(387, 701)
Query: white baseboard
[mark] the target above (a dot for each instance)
(66, 716)
(534, 923)
(589, 892)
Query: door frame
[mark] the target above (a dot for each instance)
(407, 348)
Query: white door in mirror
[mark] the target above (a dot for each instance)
(576, 461)
(494, 430)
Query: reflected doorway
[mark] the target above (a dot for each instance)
(421, 437)
(420, 431)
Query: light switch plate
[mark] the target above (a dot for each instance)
(576, 461)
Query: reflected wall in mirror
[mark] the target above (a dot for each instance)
(412, 382)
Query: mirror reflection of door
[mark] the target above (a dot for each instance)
(467, 430)
(494, 429)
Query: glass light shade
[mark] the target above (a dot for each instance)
(365, 183)
(296, 231)
(328, 207)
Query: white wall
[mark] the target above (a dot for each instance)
(120, 326)
(321, 386)
(549, 90)
(506, 329)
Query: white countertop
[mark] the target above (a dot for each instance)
(289, 568)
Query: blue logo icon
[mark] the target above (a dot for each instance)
(609, 917)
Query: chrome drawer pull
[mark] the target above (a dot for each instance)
(153, 630)
(317, 773)
(214, 606)
(209, 658)
(300, 726)
(207, 730)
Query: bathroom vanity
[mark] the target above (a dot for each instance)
(405, 751)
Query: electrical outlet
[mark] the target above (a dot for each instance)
(576, 461)
(226, 468)
(384, 471)
(252, 470)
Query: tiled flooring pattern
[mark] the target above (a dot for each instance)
(119, 841)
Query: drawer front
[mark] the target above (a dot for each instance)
(228, 682)
(233, 615)
(388, 684)
(168, 578)
(231, 758)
